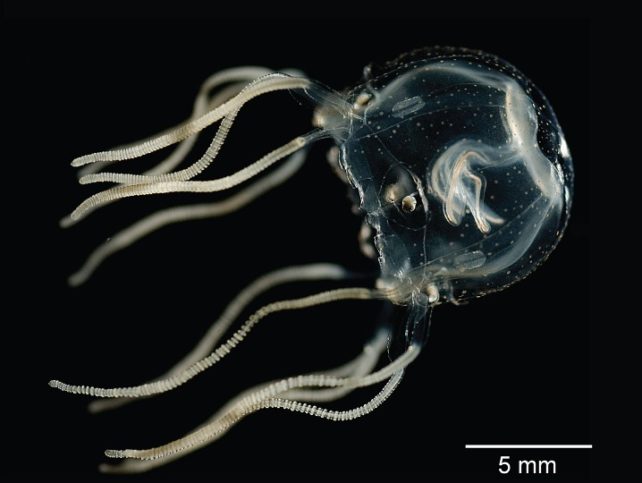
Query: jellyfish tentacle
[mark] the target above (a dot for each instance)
(178, 214)
(337, 415)
(267, 398)
(192, 126)
(299, 273)
(210, 186)
(209, 434)
(198, 166)
(174, 381)
(160, 182)
(185, 146)
(237, 77)
(358, 367)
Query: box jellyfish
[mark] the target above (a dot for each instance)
(453, 157)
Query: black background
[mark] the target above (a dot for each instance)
(509, 368)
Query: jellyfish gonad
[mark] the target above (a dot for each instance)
(455, 160)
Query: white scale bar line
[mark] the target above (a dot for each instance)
(529, 446)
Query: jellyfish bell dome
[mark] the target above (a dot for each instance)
(461, 169)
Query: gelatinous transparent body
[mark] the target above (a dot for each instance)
(478, 150)
(456, 161)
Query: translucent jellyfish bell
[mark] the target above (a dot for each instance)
(461, 169)
(456, 161)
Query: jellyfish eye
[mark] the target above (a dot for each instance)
(402, 200)
(361, 101)
(409, 203)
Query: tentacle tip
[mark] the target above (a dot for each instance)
(54, 383)
(126, 467)
(80, 161)
(66, 222)
(76, 279)
(94, 408)
(107, 469)
(71, 219)
(115, 453)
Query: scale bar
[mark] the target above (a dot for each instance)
(529, 446)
